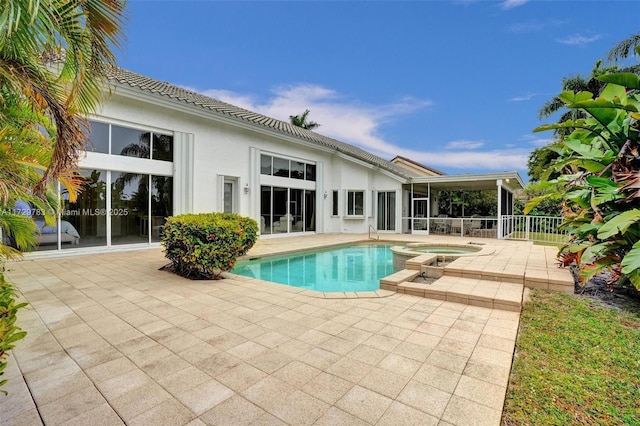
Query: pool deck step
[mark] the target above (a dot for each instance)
(416, 263)
(484, 269)
(391, 282)
(471, 291)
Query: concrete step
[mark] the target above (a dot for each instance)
(471, 291)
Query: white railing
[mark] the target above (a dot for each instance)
(533, 228)
(486, 227)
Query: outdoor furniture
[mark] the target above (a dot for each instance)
(283, 224)
(456, 226)
(475, 227)
(441, 224)
(419, 223)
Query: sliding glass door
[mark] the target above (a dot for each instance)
(286, 210)
(386, 211)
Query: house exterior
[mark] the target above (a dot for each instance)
(416, 168)
(158, 150)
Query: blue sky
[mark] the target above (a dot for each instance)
(454, 84)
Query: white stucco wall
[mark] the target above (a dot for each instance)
(221, 148)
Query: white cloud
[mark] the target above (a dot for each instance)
(523, 98)
(579, 40)
(533, 26)
(497, 160)
(359, 124)
(510, 4)
(536, 140)
(462, 144)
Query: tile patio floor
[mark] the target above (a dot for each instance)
(113, 340)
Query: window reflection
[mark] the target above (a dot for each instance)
(129, 208)
(162, 147)
(87, 215)
(130, 142)
(98, 140)
(161, 204)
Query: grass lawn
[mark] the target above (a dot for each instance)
(577, 362)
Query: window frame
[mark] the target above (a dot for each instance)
(351, 207)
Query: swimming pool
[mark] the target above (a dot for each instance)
(352, 268)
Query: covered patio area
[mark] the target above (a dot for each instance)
(462, 205)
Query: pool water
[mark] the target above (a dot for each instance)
(353, 268)
(443, 250)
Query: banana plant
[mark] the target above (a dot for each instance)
(599, 184)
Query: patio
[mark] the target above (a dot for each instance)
(113, 340)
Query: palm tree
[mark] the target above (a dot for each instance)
(575, 83)
(54, 56)
(626, 46)
(301, 121)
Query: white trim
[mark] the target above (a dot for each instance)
(122, 163)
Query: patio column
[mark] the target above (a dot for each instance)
(499, 185)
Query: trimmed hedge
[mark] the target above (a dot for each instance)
(9, 332)
(203, 246)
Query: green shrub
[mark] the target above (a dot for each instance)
(202, 246)
(9, 333)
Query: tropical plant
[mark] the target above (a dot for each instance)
(54, 56)
(547, 193)
(301, 121)
(203, 246)
(9, 332)
(574, 83)
(600, 181)
(539, 161)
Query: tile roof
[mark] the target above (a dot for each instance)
(122, 76)
(419, 165)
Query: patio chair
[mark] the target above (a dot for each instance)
(283, 224)
(474, 227)
(419, 222)
(441, 224)
(456, 226)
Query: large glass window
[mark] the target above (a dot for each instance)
(281, 219)
(311, 172)
(265, 164)
(334, 205)
(162, 147)
(309, 211)
(283, 167)
(386, 211)
(265, 210)
(287, 210)
(86, 217)
(129, 208)
(98, 138)
(280, 167)
(161, 204)
(130, 142)
(297, 170)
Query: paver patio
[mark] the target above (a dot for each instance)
(113, 340)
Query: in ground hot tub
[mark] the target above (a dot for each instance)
(444, 253)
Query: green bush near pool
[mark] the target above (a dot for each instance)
(203, 246)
